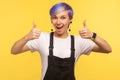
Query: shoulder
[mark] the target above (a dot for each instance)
(78, 38)
(44, 35)
(82, 41)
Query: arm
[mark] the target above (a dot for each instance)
(101, 45)
(20, 45)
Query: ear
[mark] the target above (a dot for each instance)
(70, 21)
(51, 21)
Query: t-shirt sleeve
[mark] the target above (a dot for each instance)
(33, 45)
(37, 44)
(84, 46)
(88, 47)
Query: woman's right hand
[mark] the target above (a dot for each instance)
(33, 34)
(19, 46)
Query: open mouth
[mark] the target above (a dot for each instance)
(59, 27)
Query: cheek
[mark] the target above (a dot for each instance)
(66, 23)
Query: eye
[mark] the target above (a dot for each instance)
(63, 17)
(54, 17)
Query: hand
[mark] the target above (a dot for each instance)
(85, 32)
(34, 33)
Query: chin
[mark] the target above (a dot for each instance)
(58, 32)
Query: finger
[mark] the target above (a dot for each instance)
(80, 31)
(84, 24)
(83, 31)
(34, 25)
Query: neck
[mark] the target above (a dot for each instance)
(64, 35)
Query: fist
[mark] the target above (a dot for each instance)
(33, 34)
(85, 32)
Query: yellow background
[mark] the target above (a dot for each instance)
(17, 16)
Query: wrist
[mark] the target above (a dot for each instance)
(26, 38)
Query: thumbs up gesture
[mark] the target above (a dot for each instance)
(85, 32)
(34, 33)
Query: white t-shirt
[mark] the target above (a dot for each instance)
(61, 48)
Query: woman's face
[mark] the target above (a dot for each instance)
(61, 22)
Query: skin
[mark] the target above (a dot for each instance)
(61, 22)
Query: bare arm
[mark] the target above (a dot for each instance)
(20, 45)
(101, 45)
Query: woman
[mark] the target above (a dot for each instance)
(59, 50)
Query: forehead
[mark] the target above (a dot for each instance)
(61, 12)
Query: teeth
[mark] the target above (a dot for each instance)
(59, 27)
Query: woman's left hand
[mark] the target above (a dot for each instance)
(85, 32)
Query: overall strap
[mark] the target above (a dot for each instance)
(72, 47)
(51, 44)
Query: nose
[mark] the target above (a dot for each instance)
(58, 21)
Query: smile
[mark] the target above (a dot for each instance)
(59, 27)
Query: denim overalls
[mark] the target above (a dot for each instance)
(60, 68)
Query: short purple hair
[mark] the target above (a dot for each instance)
(63, 5)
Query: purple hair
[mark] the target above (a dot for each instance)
(63, 5)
